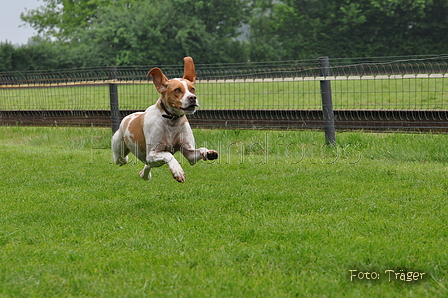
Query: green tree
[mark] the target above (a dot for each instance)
(145, 32)
(136, 32)
(62, 18)
(159, 32)
(340, 28)
(6, 56)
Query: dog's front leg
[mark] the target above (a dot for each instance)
(193, 155)
(157, 159)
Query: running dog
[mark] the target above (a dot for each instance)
(155, 135)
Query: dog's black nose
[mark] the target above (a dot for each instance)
(192, 99)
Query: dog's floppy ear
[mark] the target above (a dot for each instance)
(189, 72)
(158, 78)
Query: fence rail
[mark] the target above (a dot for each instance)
(374, 120)
(406, 86)
(388, 66)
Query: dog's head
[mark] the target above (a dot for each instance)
(177, 95)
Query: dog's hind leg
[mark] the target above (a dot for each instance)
(146, 173)
(119, 149)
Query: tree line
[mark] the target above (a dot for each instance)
(83, 33)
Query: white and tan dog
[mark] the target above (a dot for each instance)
(155, 135)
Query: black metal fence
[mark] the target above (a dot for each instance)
(373, 93)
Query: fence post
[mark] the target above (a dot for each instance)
(327, 102)
(113, 94)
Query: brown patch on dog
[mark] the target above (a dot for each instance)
(135, 127)
(174, 94)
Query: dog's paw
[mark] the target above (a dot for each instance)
(145, 177)
(212, 154)
(177, 171)
(121, 161)
(179, 176)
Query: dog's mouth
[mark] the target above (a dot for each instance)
(190, 109)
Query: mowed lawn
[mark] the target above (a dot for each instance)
(278, 215)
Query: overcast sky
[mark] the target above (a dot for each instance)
(10, 20)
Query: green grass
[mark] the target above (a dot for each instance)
(278, 215)
(427, 93)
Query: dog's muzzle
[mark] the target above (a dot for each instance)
(192, 104)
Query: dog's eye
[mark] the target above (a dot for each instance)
(192, 90)
(177, 90)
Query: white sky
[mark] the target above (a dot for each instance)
(10, 21)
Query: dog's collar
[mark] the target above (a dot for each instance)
(169, 115)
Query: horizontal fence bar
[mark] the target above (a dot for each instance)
(372, 120)
(66, 84)
(229, 80)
